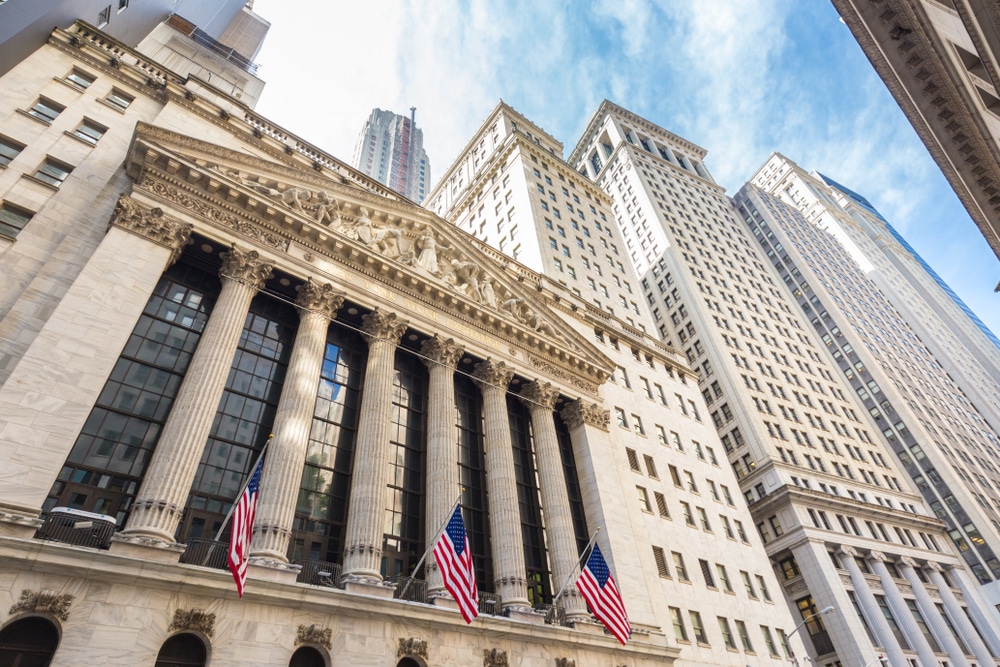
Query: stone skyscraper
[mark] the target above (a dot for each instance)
(390, 149)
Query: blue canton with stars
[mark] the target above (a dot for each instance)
(598, 567)
(456, 531)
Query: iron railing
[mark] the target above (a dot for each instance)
(319, 573)
(490, 603)
(554, 614)
(206, 553)
(410, 588)
(85, 529)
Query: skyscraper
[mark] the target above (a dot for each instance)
(390, 149)
(839, 520)
(926, 372)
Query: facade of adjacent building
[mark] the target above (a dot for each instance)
(930, 375)
(941, 61)
(390, 149)
(839, 520)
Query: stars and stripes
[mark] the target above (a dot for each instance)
(454, 559)
(599, 589)
(243, 518)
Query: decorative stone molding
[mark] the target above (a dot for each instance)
(495, 657)
(796, 587)
(542, 394)
(846, 579)
(214, 214)
(412, 646)
(572, 378)
(319, 298)
(197, 620)
(150, 223)
(878, 556)
(437, 350)
(314, 634)
(379, 325)
(908, 561)
(43, 602)
(848, 551)
(577, 414)
(493, 373)
(245, 266)
(565, 662)
(934, 567)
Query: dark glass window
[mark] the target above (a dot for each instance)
(29, 642)
(475, 509)
(535, 556)
(321, 513)
(404, 514)
(814, 625)
(307, 657)
(183, 650)
(244, 417)
(109, 458)
(572, 486)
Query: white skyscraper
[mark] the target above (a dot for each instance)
(390, 149)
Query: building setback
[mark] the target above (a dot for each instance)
(863, 542)
(921, 367)
(390, 149)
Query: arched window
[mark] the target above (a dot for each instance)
(307, 657)
(407, 662)
(183, 650)
(30, 642)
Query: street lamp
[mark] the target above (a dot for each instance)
(825, 610)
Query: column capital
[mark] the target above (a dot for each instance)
(380, 325)
(318, 298)
(437, 350)
(150, 223)
(908, 562)
(848, 551)
(878, 557)
(934, 567)
(577, 414)
(245, 266)
(544, 395)
(493, 373)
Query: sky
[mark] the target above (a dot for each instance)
(740, 78)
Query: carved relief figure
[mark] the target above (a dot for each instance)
(293, 198)
(466, 278)
(427, 259)
(486, 291)
(327, 210)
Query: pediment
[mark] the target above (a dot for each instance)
(404, 247)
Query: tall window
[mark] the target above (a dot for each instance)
(245, 415)
(572, 485)
(404, 514)
(814, 625)
(109, 458)
(535, 556)
(468, 403)
(321, 513)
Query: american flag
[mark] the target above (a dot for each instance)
(454, 559)
(243, 517)
(599, 589)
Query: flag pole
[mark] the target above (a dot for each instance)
(562, 590)
(430, 547)
(232, 508)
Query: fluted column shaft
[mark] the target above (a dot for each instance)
(959, 619)
(365, 521)
(560, 536)
(931, 615)
(977, 609)
(873, 614)
(509, 571)
(167, 483)
(282, 474)
(443, 484)
(902, 613)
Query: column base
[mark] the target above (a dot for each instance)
(445, 602)
(589, 626)
(147, 548)
(14, 523)
(525, 615)
(267, 569)
(368, 586)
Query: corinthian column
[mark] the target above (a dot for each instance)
(167, 483)
(977, 608)
(559, 533)
(282, 474)
(510, 575)
(902, 614)
(958, 617)
(931, 615)
(440, 357)
(869, 606)
(363, 552)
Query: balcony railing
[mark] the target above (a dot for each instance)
(410, 588)
(490, 603)
(554, 614)
(206, 553)
(319, 573)
(85, 529)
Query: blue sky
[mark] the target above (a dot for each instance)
(741, 78)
